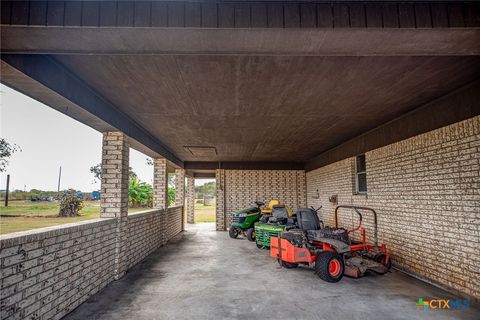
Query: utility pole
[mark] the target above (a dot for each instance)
(6, 191)
(59, 178)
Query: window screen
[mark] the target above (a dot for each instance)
(361, 174)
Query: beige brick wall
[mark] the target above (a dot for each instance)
(174, 221)
(179, 187)
(190, 199)
(147, 231)
(114, 200)
(243, 187)
(426, 191)
(220, 220)
(160, 182)
(46, 274)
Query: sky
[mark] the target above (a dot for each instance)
(50, 139)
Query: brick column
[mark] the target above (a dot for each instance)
(160, 193)
(180, 192)
(114, 197)
(220, 200)
(179, 187)
(190, 201)
(160, 183)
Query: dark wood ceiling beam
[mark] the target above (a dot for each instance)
(66, 90)
(269, 42)
(211, 165)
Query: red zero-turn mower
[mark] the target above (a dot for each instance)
(330, 250)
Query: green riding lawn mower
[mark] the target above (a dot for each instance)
(281, 219)
(244, 220)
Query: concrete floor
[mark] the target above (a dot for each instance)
(206, 275)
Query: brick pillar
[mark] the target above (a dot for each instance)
(179, 187)
(220, 200)
(190, 201)
(180, 192)
(160, 193)
(160, 183)
(114, 197)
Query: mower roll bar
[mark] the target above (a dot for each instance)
(375, 235)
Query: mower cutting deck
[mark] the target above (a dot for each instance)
(330, 250)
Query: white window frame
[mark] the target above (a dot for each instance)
(357, 173)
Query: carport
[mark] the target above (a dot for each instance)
(372, 103)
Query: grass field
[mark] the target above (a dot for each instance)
(204, 213)
(26, 215)
(42, 214)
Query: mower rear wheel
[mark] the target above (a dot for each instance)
(329, 266)
(251, 234)
(289, 265)
(381, 259)
(233, 232)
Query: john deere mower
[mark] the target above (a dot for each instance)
(243, 220)
(282, 218)
(330, 250)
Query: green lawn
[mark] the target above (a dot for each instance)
(42, 214)
(204, 213)
(45, 214)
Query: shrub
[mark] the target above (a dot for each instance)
(70, 206)
(140, 194)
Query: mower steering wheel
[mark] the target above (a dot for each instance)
(259, 203)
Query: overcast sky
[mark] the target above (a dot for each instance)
(50, 139)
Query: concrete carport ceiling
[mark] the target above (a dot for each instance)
(261, 82)
(266, 108)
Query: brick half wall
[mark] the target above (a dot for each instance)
(48, 272)
(426, 192)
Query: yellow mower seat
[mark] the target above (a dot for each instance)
(268, 210)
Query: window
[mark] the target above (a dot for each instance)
(360, 174)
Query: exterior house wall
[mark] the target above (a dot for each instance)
(426, 191)
(242, 187)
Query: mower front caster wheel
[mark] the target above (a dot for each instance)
(251, 234)
(233, 232)
(289, 265)
(259, 246)
(329, 266)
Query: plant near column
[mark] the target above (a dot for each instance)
(70, 206)
(140, 194)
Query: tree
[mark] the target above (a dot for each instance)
(6, 151)
(207, 189)
(140, 194)
(97, 172)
